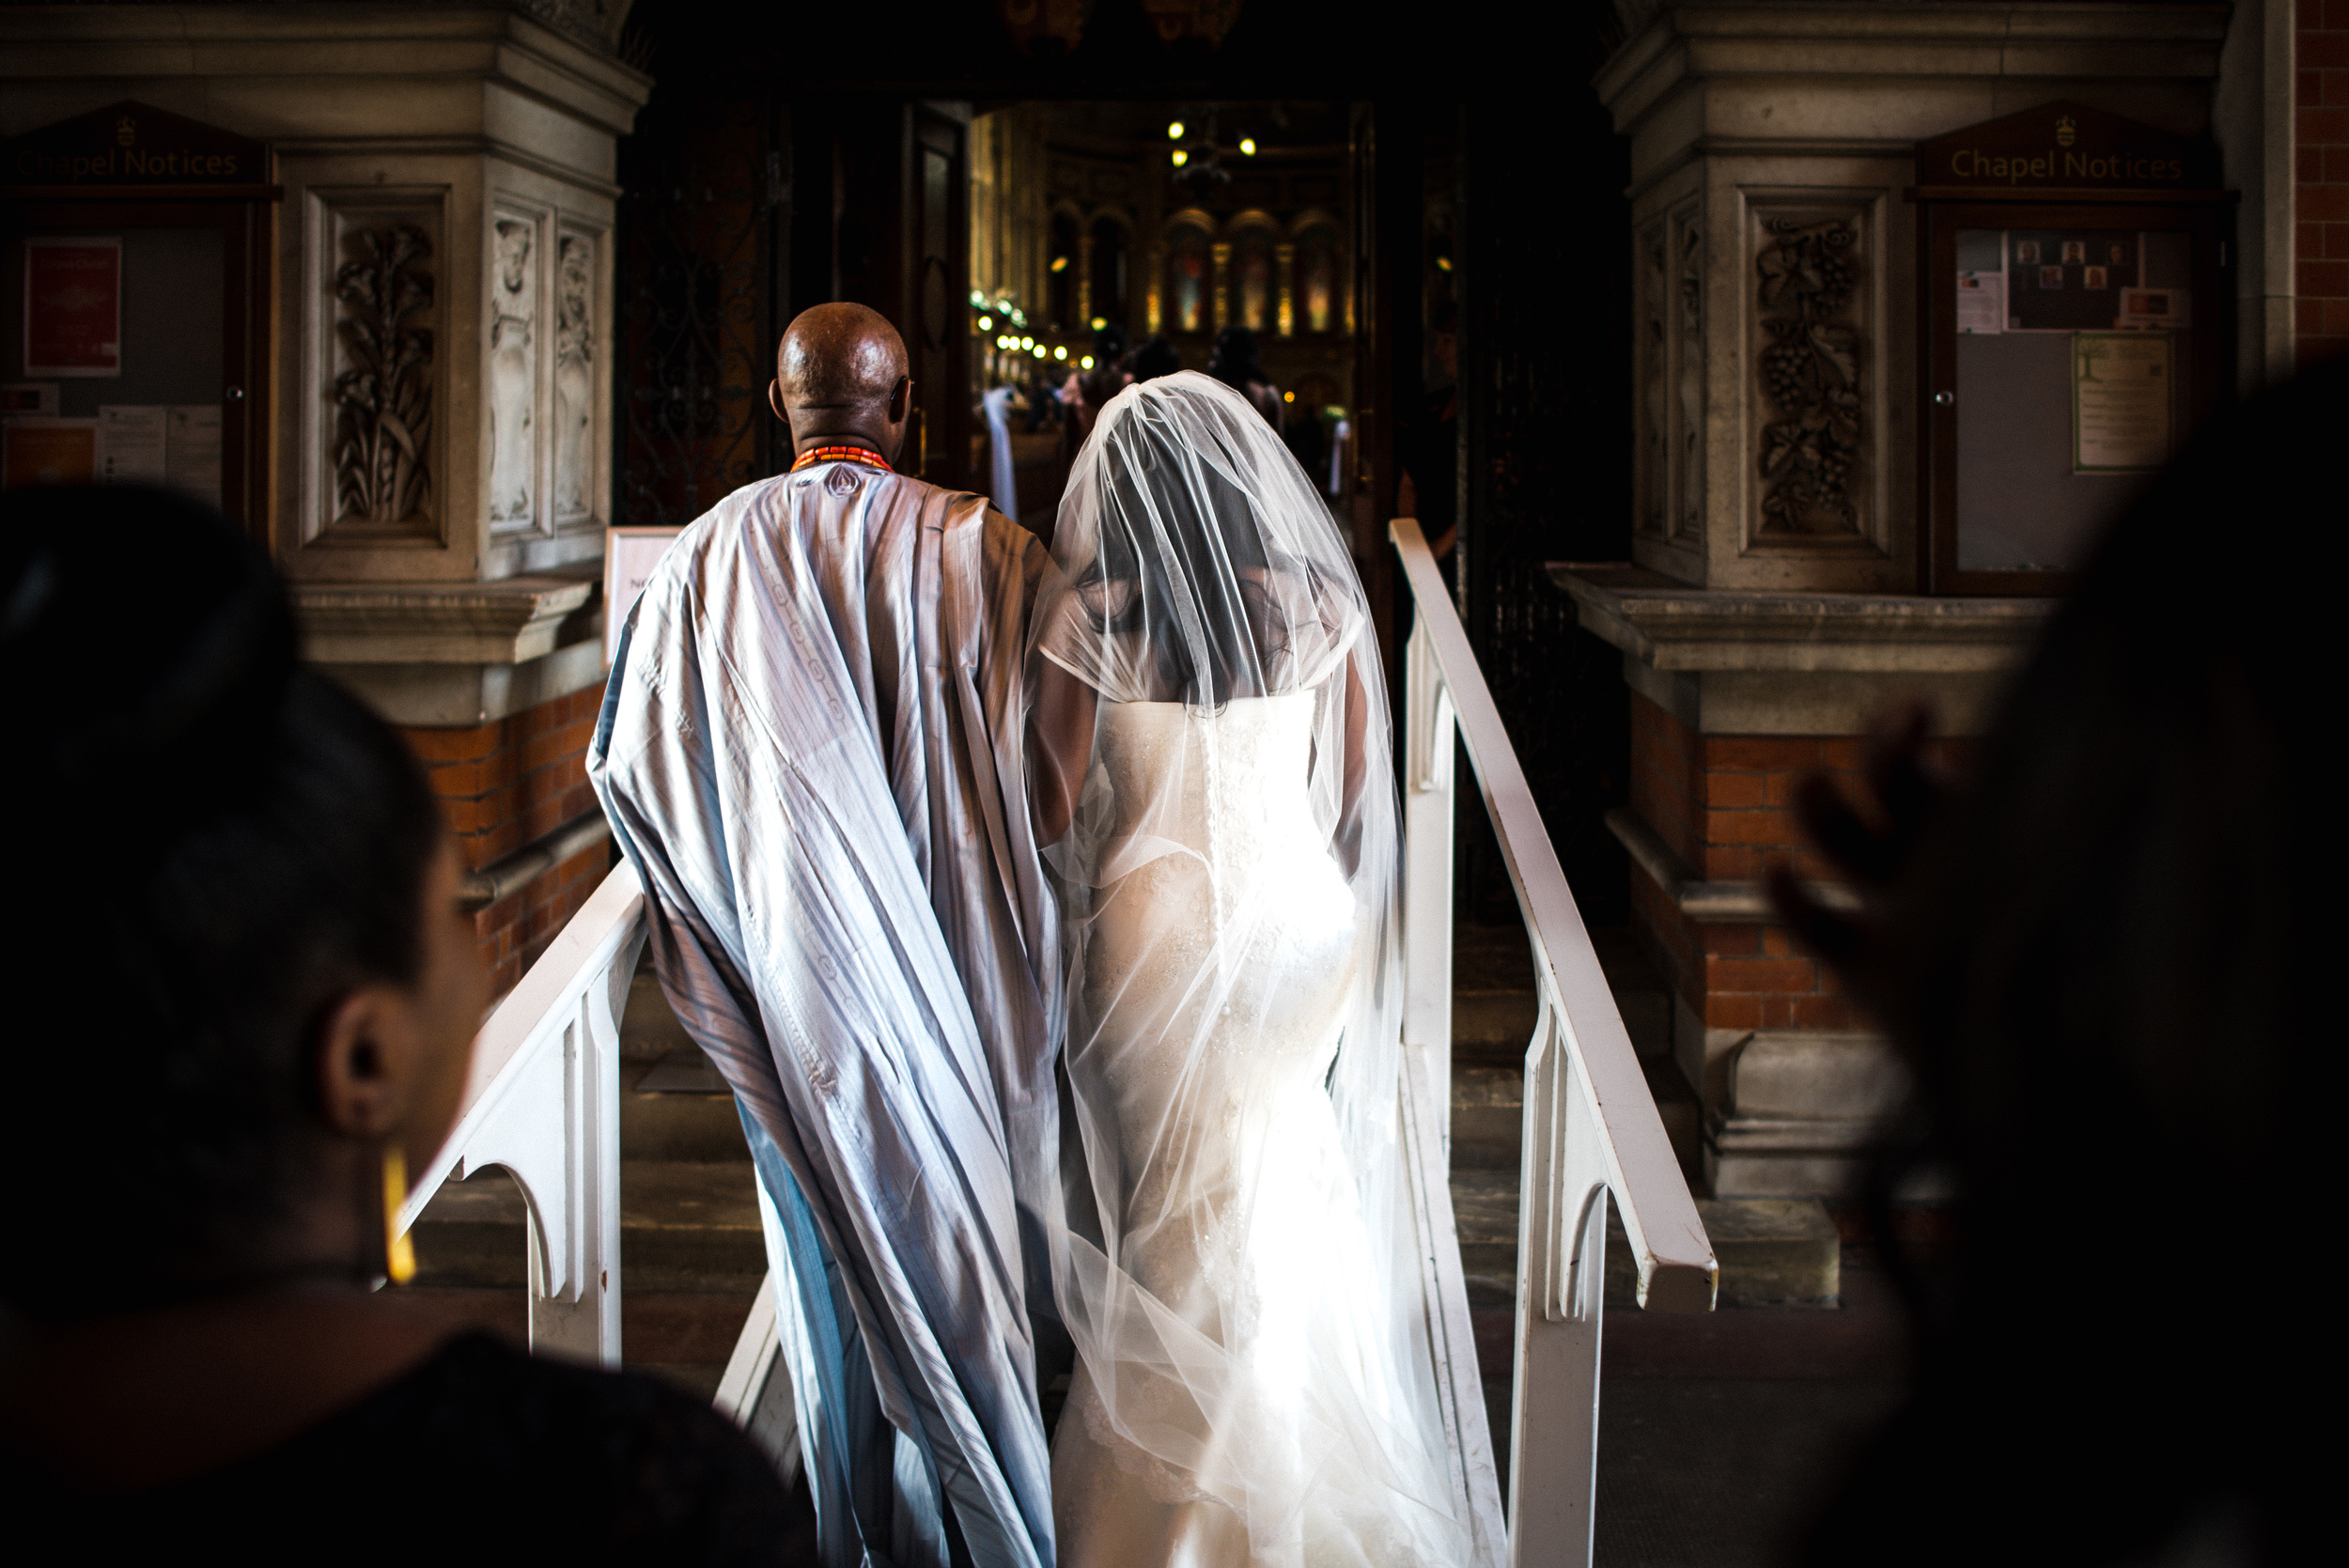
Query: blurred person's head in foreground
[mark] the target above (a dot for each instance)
(243, 998)
(2103, 957)
(244, 986)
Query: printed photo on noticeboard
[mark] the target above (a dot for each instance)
(2050, 277)
(2027, 253)
(2074, 253)
(73, 307)
(2093, 277)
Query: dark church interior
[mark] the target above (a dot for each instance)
(1846, 950)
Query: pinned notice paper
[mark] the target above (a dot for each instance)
(1981, 302)
(131, 442)
(629, 556)
(48, 451)
(192, 450)
(2121, 401)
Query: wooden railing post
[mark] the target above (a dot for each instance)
(1428, 806)
(543, 1101)
(1561, 1250)
(1590, 1125)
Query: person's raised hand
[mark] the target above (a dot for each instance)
(1873, 851)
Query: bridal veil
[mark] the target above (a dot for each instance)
(1236, 1259)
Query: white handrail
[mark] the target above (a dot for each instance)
(542, 1100)
(1591, 1126)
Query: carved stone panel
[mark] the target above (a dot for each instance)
(1667, 286)
(575, 399)
(1689, 366)
(510, 376)
(384, 382)
(1652, 343)
(372, 382)
(1815, 376)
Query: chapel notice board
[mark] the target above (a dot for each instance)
(2076, 324)
(135, 267)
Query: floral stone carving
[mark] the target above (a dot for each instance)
(1811, 373)
(384, 396)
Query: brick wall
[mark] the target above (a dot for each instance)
(1725, 805)
(503, 786)
(2321, 132)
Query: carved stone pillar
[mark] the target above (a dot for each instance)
(439, 431)
(1220, 255)
(1154, 279)
(1285, 276)
(1772, 604)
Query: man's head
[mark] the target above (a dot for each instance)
(840, 375)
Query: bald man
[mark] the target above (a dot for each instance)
(811, 748)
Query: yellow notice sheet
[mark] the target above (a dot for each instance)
(2122, 401)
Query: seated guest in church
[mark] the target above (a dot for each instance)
(2103, 955)
(1088, 392)
(241, 1002)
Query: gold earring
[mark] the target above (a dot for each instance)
(399, 1253)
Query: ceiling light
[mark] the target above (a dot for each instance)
(1027, 343)
(1175, 131)
(1443, 263)
(1181, 158)
(1060, 264)
(1099, 321)
(1039, 351)
(986, 323)
(1086, 364)
(1060, 352)
(1248, 145)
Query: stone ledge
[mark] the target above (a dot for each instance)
(511, 621)
(403, 43)
(1672, 627)
(1673, 44)
(1714, 903)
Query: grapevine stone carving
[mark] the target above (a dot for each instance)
(1810, 372)
(384, 396)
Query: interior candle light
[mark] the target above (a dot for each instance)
(1181, 158)
(1248, 146)
(1060, 352)
(1175, 131)
(986, 323)
(1086, 364)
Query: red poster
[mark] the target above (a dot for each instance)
(73, 307)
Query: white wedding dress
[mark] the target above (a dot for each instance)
(1235, 1264)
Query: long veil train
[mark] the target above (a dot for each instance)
(1238, 1267)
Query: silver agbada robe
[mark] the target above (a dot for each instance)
(811, 748)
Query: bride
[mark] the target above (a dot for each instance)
(1235, 1264)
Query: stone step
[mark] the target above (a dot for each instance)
(1488, 1115)
(678, 1109)
(685, 1225)
(649, 1029)
(1772, 1251)
(1495, 1006)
